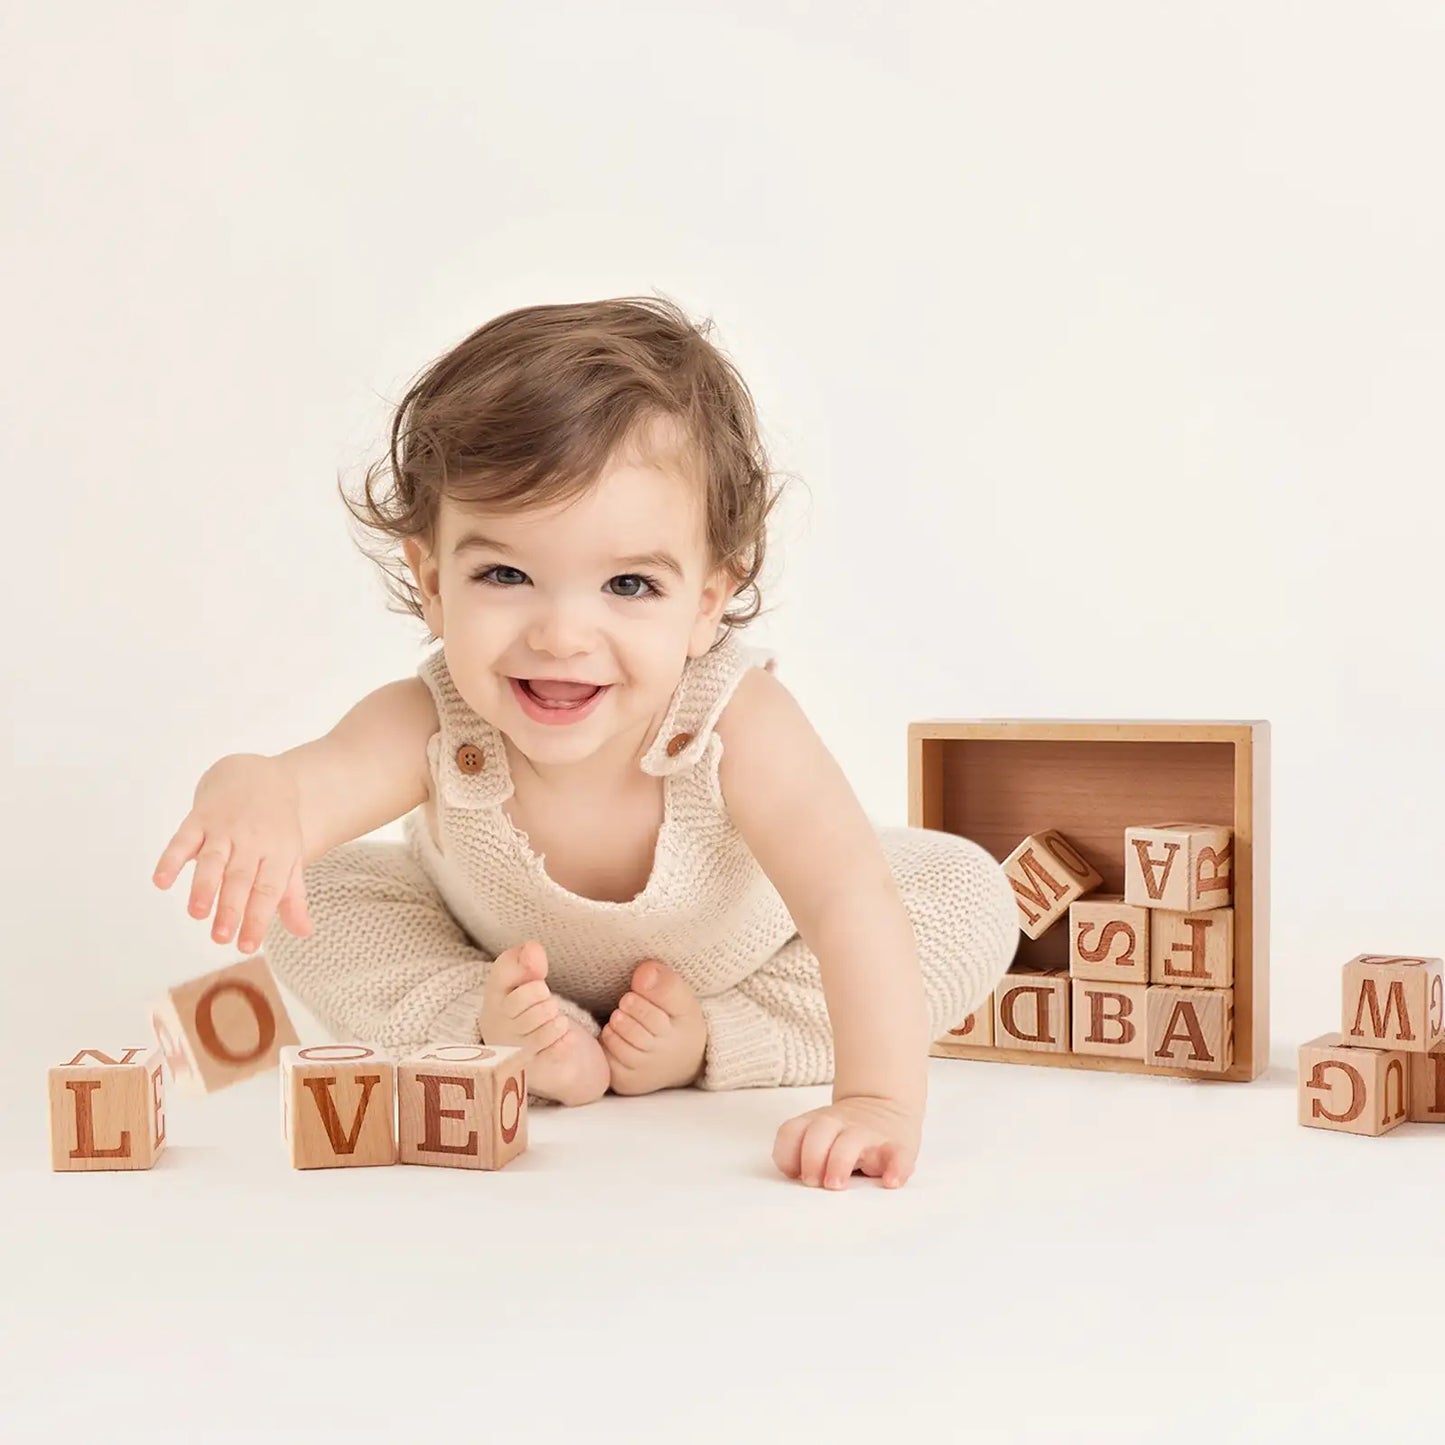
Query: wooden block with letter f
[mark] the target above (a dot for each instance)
(338, 1105)
(463, 1105)
(1047, 873)
(107, 1110)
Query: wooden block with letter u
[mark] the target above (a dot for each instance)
(107, 1110)
(338, 1105)
(462, 1105)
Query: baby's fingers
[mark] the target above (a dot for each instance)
(889, 1162)
(178, 852)
(843, 1156)
(293, 903)
(271, 885)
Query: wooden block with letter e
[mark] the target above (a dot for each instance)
(1352, 1090)
(1427, 1086)
(463, 1105)
(1188, 867)
(1031, 1011)
(1047, 873)
(107, 1110)
(1190, 1028)
(338, 1105)
(1109, 940)
(1411, 1015)
(976, 1029)
(1192, 949)
(222, 1027)
(1110, 1019)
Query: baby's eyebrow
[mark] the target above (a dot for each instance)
(657, 558)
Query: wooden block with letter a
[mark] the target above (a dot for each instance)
(1412, 1015)
(1110, 1018)
(1352, 1090)
(1427, 1086)
(1047, 873)
(338, 1105)
(1031, 1011)
(463, 1105)
(1188, 867)
(107, 1110)
(1190, 1028)
(1192, 949)
(1109, 940)
(223, 1027)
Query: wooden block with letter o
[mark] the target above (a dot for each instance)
(338, 1105)
(1394, 1001)
(1192, 949)
(1188, 867)
(1031, 1011)
(1047, 873)
(107, 1110)
(1190, 1028)
(1352, 1090)
(1111, 1019)
(1109, 940)
(463, 1105)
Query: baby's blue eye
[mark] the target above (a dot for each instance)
(654, 588)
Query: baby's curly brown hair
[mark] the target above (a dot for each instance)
(528, 409)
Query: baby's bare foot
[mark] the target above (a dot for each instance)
(657, 1035)
(564, 1062)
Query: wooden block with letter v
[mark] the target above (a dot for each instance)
(107, 1110)
(1188, 867)
(1352, 1090)
(462, 1105)
(1411, 1015)
(1047, 873)
(338, 1105)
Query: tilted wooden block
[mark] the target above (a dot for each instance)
(1031, 1011)
(1412, 1016)
(107, 1110)
(1190, 1028)
(1109, 940)
(222, 1027)
(1188, 867)
(338, 1105)
(1192, 949)
(1110, 1018)
(1047, 873)
(1353, 1090)
(1427, 1086)
(463, 1105)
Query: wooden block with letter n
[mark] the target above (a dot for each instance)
(1412, 1014)
(1353, 1090)
(1188, 867)
(107, 1110)
(1190, 1028)
(1047, 873)
(1110, 1019)
(1109, 940)
(1031, 1011)
(338, 1105)
(463, 1105)
(1192, 949)
(976, 1029)
(223, 1027)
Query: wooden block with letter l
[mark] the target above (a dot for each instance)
(1394, 1001)
(1110, 1019)
(1427, 1086)
(1190, 1028)
(223, 1027)
(1031, 1011)
(1192, 949)
(1352, 1090)
(338, 1105)
(1109, 940)
(976, 1029)
(1188, 867)
(463, 1105)
(107, 1110)
(1047, 873)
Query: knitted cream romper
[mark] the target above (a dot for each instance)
(404, 932)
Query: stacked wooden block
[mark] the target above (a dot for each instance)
(1151, 970)
(1387, 1063)
(460, 1105)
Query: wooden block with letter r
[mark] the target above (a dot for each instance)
(1352, 1090)
(1031, 1011)
(1190, 1028)
(338, 1105)
(1412, 1014)
(1188, 867)
(463, 1105)
(107, 1110)
(1047, 873)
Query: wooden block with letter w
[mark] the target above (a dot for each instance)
(1394, 1001)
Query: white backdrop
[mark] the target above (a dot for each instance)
(1108, 342)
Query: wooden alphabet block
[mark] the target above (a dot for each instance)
(107, 1110)
(1192, 949)
(1188, 867)
(1111, 1019)
(482, 1088)
(1109, 940)
(1412, 1016)
(1353, 1090)
(222, 1027)
(1427, 1086)
(976, 1029)
(1031, 1011)
(338, 1105)
(1047, 873)
(1190, 1028)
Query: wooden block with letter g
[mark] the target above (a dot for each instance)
(1109, 940)
(1188, 867)
(1192, 949)
(1190, 1028)
(1111, 1019)
(1394, 1001)
(1031, 1011)
(338, 1105)
(107, 1110)
(1047, 873)
(1353, 1090)
(463, 1105)
(222, 1027)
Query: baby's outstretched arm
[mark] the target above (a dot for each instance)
(256, 821)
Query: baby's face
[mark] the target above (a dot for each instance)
(567, 593)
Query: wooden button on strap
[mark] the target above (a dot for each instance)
(470, 758)
(677, 743)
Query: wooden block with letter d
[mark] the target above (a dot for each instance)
(1188, 867)
(1047, 873)
(1031, 1011)
(1190, 1028)
(1411, 1013)
(463, 1105)
(1109, 940)
(1352, 1090)
(107, 1110)
(1111, 1019)
(338, 1105)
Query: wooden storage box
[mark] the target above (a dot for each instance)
(998, 780)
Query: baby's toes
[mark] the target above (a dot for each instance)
(644, 1011)
(630, 1031)
(530, 1016)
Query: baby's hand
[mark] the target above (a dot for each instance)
(873, 1136)
(244, 831)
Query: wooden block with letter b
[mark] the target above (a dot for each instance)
(1188, 867)
(463, 1105)
(1352, 1090)
(1111, 1019)
(1047, 873)
(1109, 940)
(338, 1105)
(1394, 1001)
(1031, 1011)
(107, 1110)
(223, 1027)
(1190, 1028)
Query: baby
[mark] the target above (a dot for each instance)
(626, 848)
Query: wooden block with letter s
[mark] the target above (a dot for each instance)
(976, 1029)
(107, 1110)
(1188, 867)
(1352, 1090)
(1394, 1001)
(1047, 873)
(1109, 940)
(462, 1105)
(338, 1105)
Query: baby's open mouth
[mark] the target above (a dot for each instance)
(553, 692)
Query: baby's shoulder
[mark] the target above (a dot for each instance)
(762, 728)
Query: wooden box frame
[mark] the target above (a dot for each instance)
(997, 780)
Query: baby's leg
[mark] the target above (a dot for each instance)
(773, 1029)
(387, 963)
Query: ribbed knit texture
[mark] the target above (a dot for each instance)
(404, 932)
